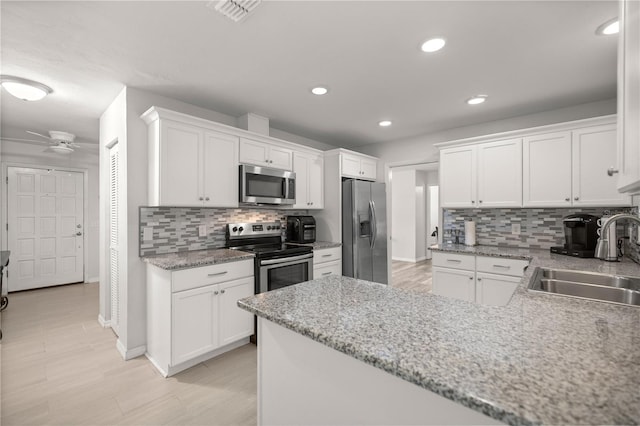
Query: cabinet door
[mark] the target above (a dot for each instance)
(594, 151)
(220, 182)
(350, 166)
(326, 269)
(495, 290)
(235, 323)
(369, 168)
(500, 174)
(280, 158)
(629, 97)
(180, 164)
(454, 283)
(547, 170)
(253, 152)
(301, 168)
(458, 177)
(316, 182)
(193, 327)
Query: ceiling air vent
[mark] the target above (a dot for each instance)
(236, 10)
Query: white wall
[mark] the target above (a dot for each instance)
(403, 215)
(420, 148)
(28, 155)
(421, 214)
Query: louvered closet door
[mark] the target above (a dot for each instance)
(46, 227)
(114, 216)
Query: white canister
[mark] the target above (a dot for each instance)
(469, 233)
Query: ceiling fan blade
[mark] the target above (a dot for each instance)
(28, 141)
(38, 134)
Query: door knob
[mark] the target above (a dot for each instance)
(611, 171)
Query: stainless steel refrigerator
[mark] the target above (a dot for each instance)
(364, 230)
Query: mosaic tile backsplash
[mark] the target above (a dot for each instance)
(175, 229)
(539, 228)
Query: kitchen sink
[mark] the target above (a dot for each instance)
(588, 285)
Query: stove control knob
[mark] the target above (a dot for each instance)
(241, 229)
(268, 228)
(235, 228)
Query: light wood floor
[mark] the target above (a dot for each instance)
(60, 367)
(411, 276)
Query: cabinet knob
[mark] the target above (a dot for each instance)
(206, 199)
(611, 171)
(470, 278)
(567, 199)
(479, 279)
(576, 198)
(473, 202)
(201, 198)
(215, 292)
(480, 201)
(312, 203)
(221, 291)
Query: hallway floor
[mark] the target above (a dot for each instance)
(411, 276)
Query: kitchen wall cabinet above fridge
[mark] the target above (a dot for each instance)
(562, 165)
(194, 162)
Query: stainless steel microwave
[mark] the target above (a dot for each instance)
(263, 185)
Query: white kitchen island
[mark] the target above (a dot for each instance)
(343, 351)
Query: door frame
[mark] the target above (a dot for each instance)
(4, 198)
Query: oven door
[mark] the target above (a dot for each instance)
(283, 272)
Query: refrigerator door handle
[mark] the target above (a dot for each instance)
(374, 225)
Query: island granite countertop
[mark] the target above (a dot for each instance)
(541, 359)
(319, 245)
(191, 259)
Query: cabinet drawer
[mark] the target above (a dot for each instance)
(213, 274)
(453, 260)
(326, 269)
(327, 255)
(501, 265)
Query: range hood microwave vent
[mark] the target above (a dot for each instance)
(236, 10)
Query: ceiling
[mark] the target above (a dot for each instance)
(527, 56)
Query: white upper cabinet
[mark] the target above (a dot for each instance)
(547, 170)
(265, 154)
(594, 152)
(458, 177)
(500, 174)
(192, 167)
(359, 167)
(628, 164)
(309, 170)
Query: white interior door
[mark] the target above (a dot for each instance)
(45, 227)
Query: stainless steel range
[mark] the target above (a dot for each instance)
(277, 264)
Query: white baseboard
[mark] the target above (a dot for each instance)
(409, 259)
(128, 354)
(103, 322)
(93, 279)
(421, 258)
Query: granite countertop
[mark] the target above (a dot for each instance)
(542, 359)
(191, 259)
(319, 245)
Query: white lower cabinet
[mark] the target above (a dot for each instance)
(192, 314)
(482, 279)
(327, 262)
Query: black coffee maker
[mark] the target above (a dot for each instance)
(580, 236)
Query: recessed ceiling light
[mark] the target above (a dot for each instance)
(384, 123)
(612, 26)
(320, 90)
(24, 89)
(477, 99)
(433, 45)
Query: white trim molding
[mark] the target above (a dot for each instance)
(128, 354)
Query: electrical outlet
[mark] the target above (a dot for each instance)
(515, 229)
(147, 233)
(202, 230)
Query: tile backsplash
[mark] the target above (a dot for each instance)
(539, 228)
(175, 229)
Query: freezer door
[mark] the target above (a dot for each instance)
(379, 245)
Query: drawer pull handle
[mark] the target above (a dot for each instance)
(216, 274)
(326, 273)
(502, 266)
(454, 260)
(326, 255)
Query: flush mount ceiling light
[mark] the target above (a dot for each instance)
(477, 99)
(612, 26)
(24, 89)
(433, 45)
(320, 90)
(384, 123)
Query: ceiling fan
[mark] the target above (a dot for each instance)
(59, 142)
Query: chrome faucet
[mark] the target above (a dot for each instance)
(602, 247)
